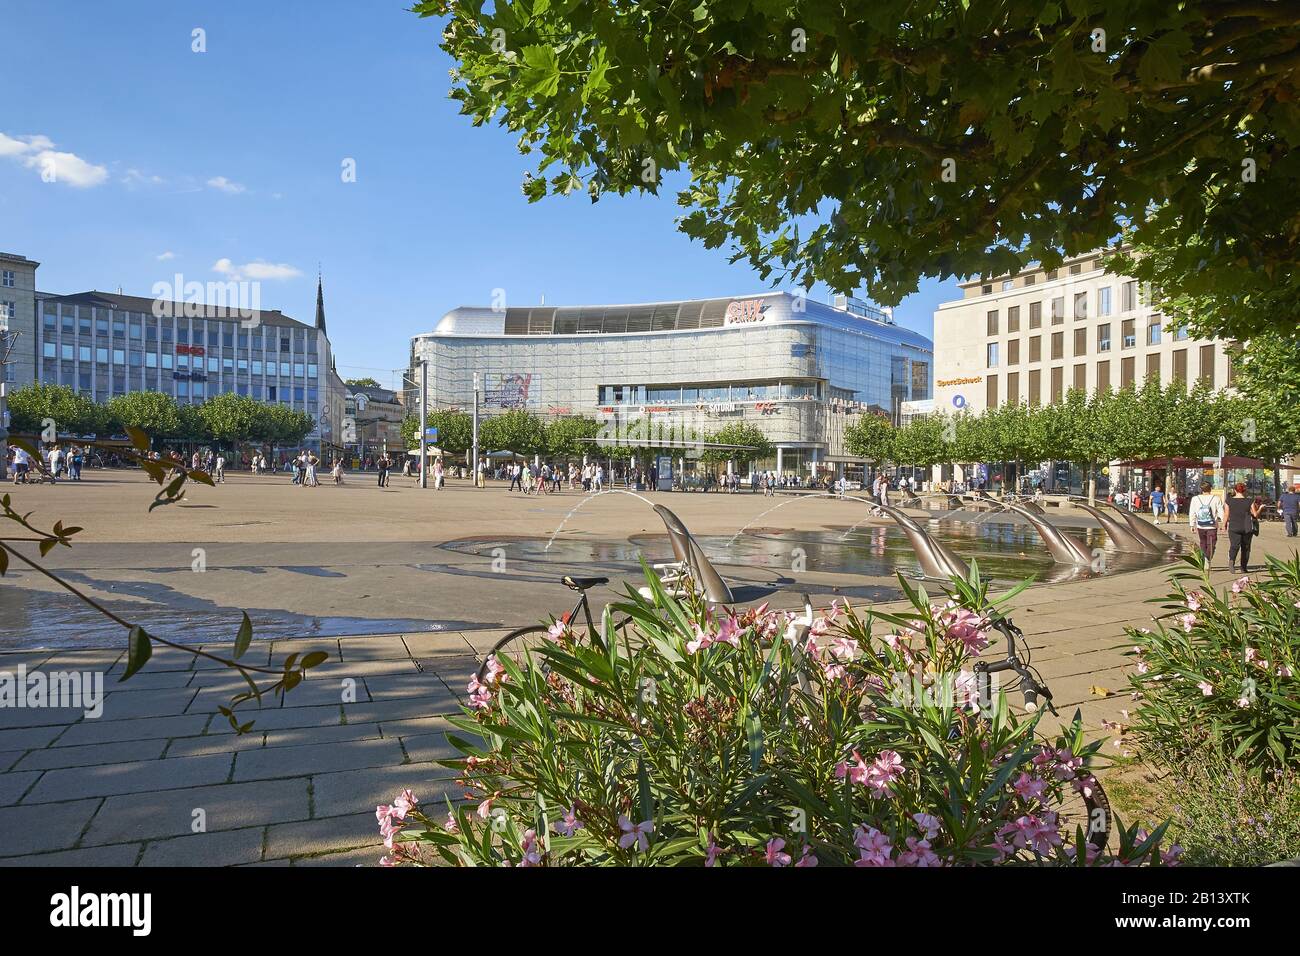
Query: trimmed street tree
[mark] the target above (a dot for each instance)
(153, 413)
(571, 436)
(738, 433)
(32, 405)
(950, 139)
(870, 436)
(517, 430)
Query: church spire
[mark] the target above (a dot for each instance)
(320, 304)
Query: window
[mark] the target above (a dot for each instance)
(48, 350)
(137, 330)
(1008, 284)
(986, 290)
(101, 356)
(134, 359)
(1035, 386)
(297, 393)
(227, 365)
(214, 338)
(182, 389)
(83, 353)
(183, 361)
(284, 343)
(1080, 342)
(166, 359)
(1035, 315)
(1128, 296)
(1031, 278)
(991, 391)
(1207, 365)
(1013, 388)
(311, 369)
(227, 340)
(1103, 300)
(7, 278)
(1180, 334)
(1035, 348)
(1013, 319)
(1127, 372)
(1080, 378)
(1057, 375)
(119, 357)
(212, 364)
(1052, 274)
(1153, 367)
(993, 355)
(297, 370)
(199, 389)
(243, 365)
(257, 366)
(1180, 365)
(1013, 352)
(1128, 332)
(1153, 331)
(284, 369)
(1058, 346)
(1103, 337)
(1103, 376)
(1080, 306)
(1058, 310)
(993, 322)
(1076, 268)
(150, 359)
(8, 310)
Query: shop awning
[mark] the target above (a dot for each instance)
(1229, 461)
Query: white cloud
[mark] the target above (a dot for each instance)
(38, 152)
(133, 177)
(226, 186)
(260, 271)
(166, 256)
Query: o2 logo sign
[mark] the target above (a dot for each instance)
(959, 401)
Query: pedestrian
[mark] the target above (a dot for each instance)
(1289, 506)
(22, 464)
(337, 474)
(310, 462)
(1204, 515)
(1242, 524)
(384, 464)
(1157, 502)
(1171, 505)
(437, 474)
(219, 474)
(78, 458)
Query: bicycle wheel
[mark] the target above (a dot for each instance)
(1091, 813)
(516, 645)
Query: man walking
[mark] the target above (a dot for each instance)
(384, 464)
(1289, 505)
(1204, 515)
(1157, 502)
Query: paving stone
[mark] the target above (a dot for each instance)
(121, 854)
(381, 648)
(360, 791)
(330, 834)
(14, 784)
(272, 717)
(424, 748)
(214, 744)
(257, 655)
(14, 717)
(35, 829)
(151, 680)
(428, 686)
(170, 812)
(359, 669)
(301, 736)
(10, 757)
(400, 708)
(138, 777)
(317, 758)
(362, 857)
(28, 738)
(109, 731)
(225, 848)
(53, 758)
(131, 704)
(310, 693)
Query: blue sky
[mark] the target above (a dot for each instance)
(228, 163)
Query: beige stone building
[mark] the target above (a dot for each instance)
(18, 318)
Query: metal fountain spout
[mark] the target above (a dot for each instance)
(1064, 548)
(1160, 540)
(1121, 535)
(937, 561)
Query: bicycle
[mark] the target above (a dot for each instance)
(1090, 810)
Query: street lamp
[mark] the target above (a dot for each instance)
(423, 385)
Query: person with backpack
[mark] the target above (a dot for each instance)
(1242, 524)
(1204, 516)
(1289, 506)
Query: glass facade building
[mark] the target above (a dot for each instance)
(796, 368)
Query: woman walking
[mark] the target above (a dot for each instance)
(1204, 515)
(311, 462)
(337, 473)
(1241, 522)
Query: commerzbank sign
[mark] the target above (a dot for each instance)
(744, 311)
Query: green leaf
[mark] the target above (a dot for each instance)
(244, 637)
(139, 648)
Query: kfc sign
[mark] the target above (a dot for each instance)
(744, 311)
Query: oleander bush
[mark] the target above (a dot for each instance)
(1217, 671)
(688, 739)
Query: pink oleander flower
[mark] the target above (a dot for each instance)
(404, 803)
(774, 855)
(1085, 784)
(808, 858)
(1030, 788)
(558, 631)
(1142, 667)
(844, 648)
(729, 632)
(1243, 701)
(1090, 852)
(387, 861)
(485, 808)
(1194, 601)
(1252, 656)
(895, 642)
(450, 824)
(1067, 764)
(1283, 670)
(702, 641)
(918, 853)
(1188, 621)
(966, 626)
(820, 627)
(531, 850)
(388, 830)
(835, 610)
(875, 847)
(1206, 688)
(494, 671)
(927, 824)
(712, 852)
(569, 824)
(833, 671)
(885, 769)
(1171, 856)
(635, 833)
(1240, 584)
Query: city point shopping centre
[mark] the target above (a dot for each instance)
(669, 374)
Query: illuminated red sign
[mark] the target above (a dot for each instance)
(743, 311)
(189, 350)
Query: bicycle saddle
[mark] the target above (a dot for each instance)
(581, 584)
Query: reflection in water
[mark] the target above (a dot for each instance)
(1004, 551)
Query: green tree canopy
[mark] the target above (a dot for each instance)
(153, 413)
(571, 436)
(455, 430)
(871, 437)
(229, 418)
(366, 382)
(869, 145)
(517, 430)
(31, 405)
(738, 433)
